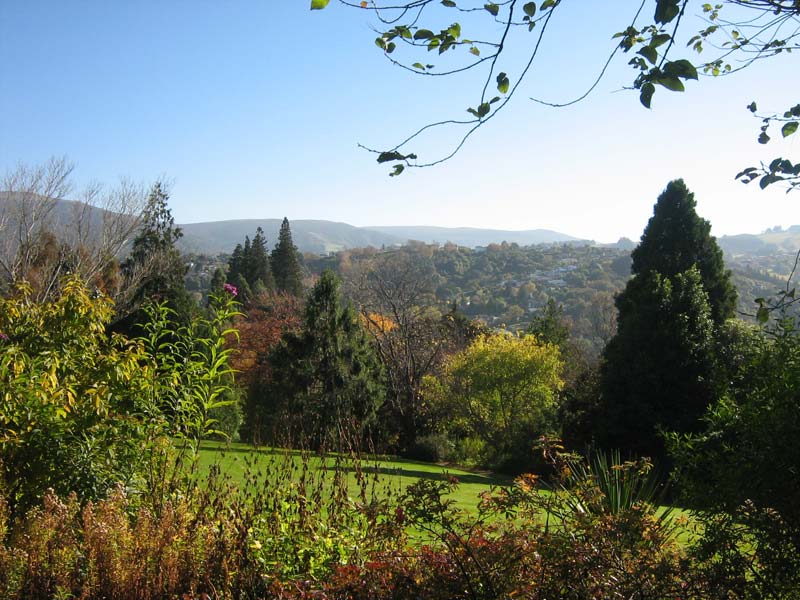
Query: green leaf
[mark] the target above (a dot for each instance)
(649, 53)
(419, 66)
(454, 30)
(789, 128)
(763, 313)
(502, 83)
(763, 138)
(319, 4)
(397, 170)
(492, 8)
(423, 34)
(448, 3)
(380, 43)
(752, 107)
(681, 68)
(390, 156)
(659, 40)
(530, 9)
(547, 4)
(475, 51)
(390, 47)
(666, 11)
(483, 109)
(671, 83)
(648, 89)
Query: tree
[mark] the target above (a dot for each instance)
(286, 262)
(740, 473)
(675, 239)
(658, 372)
(549, 325)
(44, 236)
(258, 264)
(394, 293)
(743, 30)
(502, 390)
(155, 263)
(249, 267)
(328, 374)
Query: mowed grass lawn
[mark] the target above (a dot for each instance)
(385, 476)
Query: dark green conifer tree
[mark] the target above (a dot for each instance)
(155, 266)
(328, 374)
(236, 263)
(259, 272)
(286, 263)
(659, 371)
(675, 239)
(549, 325)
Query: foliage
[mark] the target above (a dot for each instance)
(659, 371)
(486, 33)
(676, 239)
(328, 374)
(502, 390)
(81, 410)
(286, 268)
(70, 397)
(740, 472)
(249, 266)
(154, 253)
(269, 317)
(548, 325)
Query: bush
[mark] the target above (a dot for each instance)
(434, 447)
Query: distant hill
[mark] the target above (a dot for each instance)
(319, 237)
(768, 242)
(473, 236)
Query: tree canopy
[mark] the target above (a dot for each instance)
(415, 35)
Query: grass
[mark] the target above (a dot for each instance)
(388, 476)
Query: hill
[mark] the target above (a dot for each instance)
(472, 237)
(319, 237)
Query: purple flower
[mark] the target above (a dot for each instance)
(3, 337)
(231, 289)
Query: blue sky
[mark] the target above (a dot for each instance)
(255, 109)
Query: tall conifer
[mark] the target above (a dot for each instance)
(286, 262)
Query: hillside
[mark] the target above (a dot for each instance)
(319, 237)
(472, 237)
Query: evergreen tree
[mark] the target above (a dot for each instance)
(236, 263)
(286, 262)
(675, 239)
(328, 373)
(155, 264)
(549, 325)
(659, 370)
(258, 267)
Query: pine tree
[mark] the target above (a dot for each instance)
(286, 263)
(675, 239)
(659, 370)
(236, 263)
(155, 263)
(259, 272)
(549, 325)
(328, 374)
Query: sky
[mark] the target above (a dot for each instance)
(256, 109)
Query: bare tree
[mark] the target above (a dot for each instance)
(394, 292)
(44, 236)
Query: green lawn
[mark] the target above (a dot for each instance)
(385, 476)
